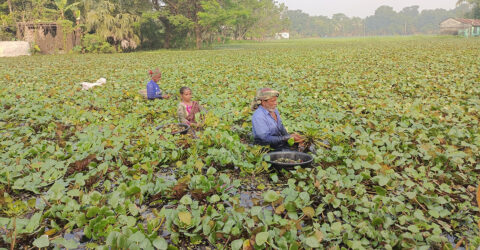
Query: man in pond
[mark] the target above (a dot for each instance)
(266, 122)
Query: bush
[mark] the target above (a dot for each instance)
(95, 44)
(77, 49)
(152, 32)
(7, 35)
(35, 49)
(107, 48)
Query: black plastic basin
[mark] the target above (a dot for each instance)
(184, 131)
(305, 159)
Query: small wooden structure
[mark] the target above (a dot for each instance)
(460, 26)
(50, 37)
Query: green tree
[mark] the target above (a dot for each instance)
(63, 6)
(385, 22)
(428, 20)
(127, 24)
(151, 30)
(213, 18)
(475, 5)
(177, 25)
(301, 24)
(267, 19)
(180, 17)
(323, 26)
(339, 21)
(104, 19)
(409, 16)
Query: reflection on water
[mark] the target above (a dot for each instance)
(78, 236)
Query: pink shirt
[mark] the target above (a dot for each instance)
(188, 108)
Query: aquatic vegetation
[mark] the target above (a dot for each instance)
(89, 169)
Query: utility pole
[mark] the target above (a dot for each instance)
(364, 28)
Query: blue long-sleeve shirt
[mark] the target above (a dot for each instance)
(153, 90)
(266, 130)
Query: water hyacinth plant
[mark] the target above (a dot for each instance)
(88, 169)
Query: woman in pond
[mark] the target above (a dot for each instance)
(187, 109)
(153, 90)
(267, 125)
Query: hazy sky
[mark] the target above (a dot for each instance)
(360, 8)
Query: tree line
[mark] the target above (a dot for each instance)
(385, 21)
(152, 24)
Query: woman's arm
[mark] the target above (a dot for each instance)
(158, 93)
(182, 114)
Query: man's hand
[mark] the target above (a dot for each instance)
(166, 96)
(298, 138)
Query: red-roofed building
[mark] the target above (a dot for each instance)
(460, 26)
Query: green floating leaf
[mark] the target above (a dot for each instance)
(312, 241)
(383, 180)
(271, 196)
(413, 229)
(261, 238)
(336, 228)
(380, 190)
(211, 171)
(133, 190)
(185, 217)
(309, 211)
(68, 244)
(237, 244)
(274, 177)
(160, 243)
(214, 198)
(92, 212)
(377, 221)
(186, 200)
(33, 223)
(41, 242)
(137, 237)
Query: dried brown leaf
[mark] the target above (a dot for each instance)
(81, 165)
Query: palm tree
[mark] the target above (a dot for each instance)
(63, 6)
(104, 19)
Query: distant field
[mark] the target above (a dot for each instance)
(88, 168)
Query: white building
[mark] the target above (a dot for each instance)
(282, 35)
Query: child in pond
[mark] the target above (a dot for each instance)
(187, 108)
(153, 90)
